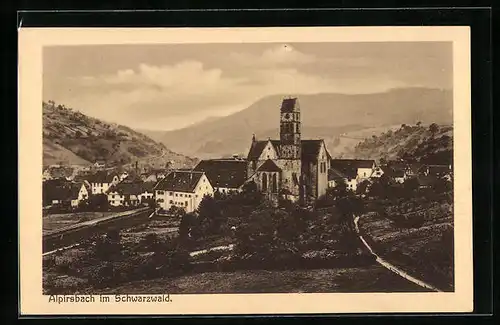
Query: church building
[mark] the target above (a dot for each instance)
(290, 167)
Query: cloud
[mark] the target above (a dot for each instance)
(176, 95)
(279, 55)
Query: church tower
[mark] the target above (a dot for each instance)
(290, 147)
(290, 129)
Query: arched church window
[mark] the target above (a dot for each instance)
(275, 184)
(264, 182)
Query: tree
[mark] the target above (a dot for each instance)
(210, 216)
(433, 128)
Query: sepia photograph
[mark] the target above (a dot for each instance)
(272, 167)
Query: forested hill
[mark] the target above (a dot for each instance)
(70, 137)
(431, 144)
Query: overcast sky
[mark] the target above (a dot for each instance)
(164, 87)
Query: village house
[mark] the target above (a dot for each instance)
(439, 171)
(154, 175)
(351, 171)
(362, 167)
(225, 175)
(412, 169)
(123, 175)
(183, 189)
(80, 191)
(124, 194)
(99, 164)
(377, 172)
(292, 167)
(348, 177)
(147, 192)
(101, 181)
(396, 174)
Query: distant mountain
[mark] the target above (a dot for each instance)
(70, 137)
(425, 143)
(323, 116)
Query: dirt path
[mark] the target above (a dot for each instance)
(211, 249)
(389, 266)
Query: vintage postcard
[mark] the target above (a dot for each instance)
(245, 170)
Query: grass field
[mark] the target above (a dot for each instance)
(163, 227)
(423, 252)
(55, 221)
(368, 279)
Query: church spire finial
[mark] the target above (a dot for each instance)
(253, 137)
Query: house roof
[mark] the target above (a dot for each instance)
(256, 149)
(269, 166)
(61, 191)
(438, 169)
(288, 105)
(127, 188)
(349, 167)
(414, 167)
(334, 174)
(180, 181)
(224, 172)
(392, 172)
(101, 177)
(309, 148)
(340, 164)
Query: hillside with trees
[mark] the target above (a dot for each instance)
(432, 144)
(70, 137)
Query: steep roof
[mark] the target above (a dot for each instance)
(256, 149)
(341, 164)
(224, 172)
(61, 192)
(334, 174)
(180, 181)
(132, 188)
(269, 166)
(392, 172)
(288, 105)
(310, 149)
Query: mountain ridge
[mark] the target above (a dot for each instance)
(70, 137)
(345, 112)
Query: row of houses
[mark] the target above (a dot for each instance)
(186, 188)
(119, 189)
(354, 171)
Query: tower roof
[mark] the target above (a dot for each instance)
(289, 105)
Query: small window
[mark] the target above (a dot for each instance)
(181, 195)
(186, 203)
(171, 202)
(176, 194)
(172, 193)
